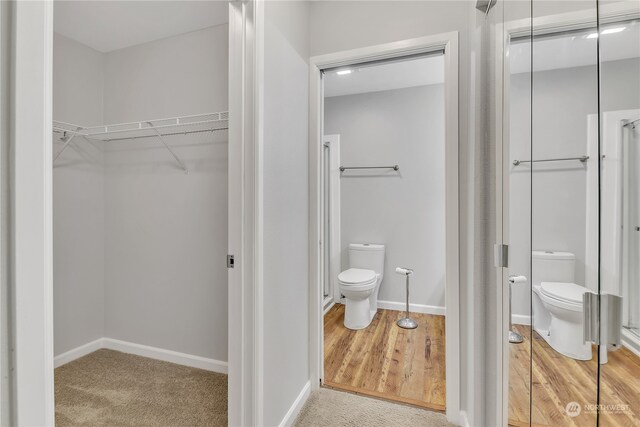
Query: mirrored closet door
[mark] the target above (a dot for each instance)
(619, 206)
(571, 114)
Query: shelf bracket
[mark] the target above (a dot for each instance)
(66, 144)
(159, 135)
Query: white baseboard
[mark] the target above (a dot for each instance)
(144, 351)
(327, 307)
(77, 352)
(166, 355)
(414, 308)
(630, 341)
(295, 409)
(464, 420)
(520, 319)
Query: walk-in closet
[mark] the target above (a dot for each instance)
(140, 100)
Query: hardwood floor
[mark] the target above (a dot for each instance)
(386, 361)
(558, 380)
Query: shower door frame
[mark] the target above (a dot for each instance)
(447, 42)
(333, 179)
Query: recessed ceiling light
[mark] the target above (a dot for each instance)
(592, 36)
(613, 30)
(344, 72)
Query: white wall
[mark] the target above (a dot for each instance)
(562, 100)
(166, 240)
(337, 26)
(404, 209)
(176, 76)
(78, 84)
(140, 247)
(285, 206)
(78, 199)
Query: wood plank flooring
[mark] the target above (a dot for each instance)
(386, 361)
(558, 380)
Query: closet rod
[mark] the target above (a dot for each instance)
(162, 134)
(137, 137)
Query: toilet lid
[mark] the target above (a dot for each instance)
(356, 276)
(564, 291)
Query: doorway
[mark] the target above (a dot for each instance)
(140, 234)
(33, 401)
(359, 352)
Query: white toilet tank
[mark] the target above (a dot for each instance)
(367, 256)
(551, 266)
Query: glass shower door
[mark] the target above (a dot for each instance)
(326, 194)
(630, 221)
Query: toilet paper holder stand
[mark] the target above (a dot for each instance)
(514, 337)
(406, 322)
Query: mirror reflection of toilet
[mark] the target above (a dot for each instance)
(557, 303)
(360, 284)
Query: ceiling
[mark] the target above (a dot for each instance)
(111, 25)
(577, 50)
(387, 76)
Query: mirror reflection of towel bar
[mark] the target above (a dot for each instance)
(582, 159)
(394, 167)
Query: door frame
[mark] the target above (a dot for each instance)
(245, 394)
(31, 201)
(504, 34)
(5, 60)
(449, 43)
(31, 213)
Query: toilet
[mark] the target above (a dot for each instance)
(360, 284)
(557, 303)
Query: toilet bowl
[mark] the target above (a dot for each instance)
(360, 284)
(563, 303)
(357, 286)
(557, 303)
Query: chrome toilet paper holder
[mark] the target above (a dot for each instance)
(514, 337)
(406, 322)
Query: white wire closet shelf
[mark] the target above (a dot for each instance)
(209, 122)
(157, 128)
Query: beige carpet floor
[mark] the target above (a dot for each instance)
(109, 388)
(329, 408)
